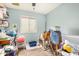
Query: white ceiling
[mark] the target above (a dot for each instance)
(42, 8)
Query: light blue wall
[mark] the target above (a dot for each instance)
(67, 16)
(15, 16)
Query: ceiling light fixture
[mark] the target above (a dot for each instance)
(33, 4)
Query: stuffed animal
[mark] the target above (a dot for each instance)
(67, 48)
(20, 39)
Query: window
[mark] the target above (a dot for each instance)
(28, 25)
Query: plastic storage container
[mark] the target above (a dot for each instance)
(32, 43)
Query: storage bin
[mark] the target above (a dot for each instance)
(32, 43)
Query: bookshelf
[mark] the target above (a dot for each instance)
(3, 16)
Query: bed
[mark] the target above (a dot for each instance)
(74, 42)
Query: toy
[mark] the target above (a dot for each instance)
(11, 33)
(20, 42)
(20, 39)
(67, 48)
(10, 50)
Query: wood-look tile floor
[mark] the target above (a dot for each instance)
(35, 52)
